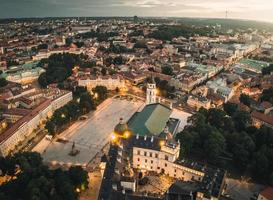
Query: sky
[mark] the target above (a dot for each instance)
(244, 9)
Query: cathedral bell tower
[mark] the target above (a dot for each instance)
(151, 92)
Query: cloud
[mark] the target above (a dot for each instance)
(253, 9)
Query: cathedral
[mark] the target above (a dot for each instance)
(146, 144)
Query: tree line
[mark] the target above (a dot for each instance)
(83, 102)
(59, 67)
(30, 179)
(219, 135)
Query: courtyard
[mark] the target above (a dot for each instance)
(88, 137)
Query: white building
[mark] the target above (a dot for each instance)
(26, 125)
(198, 102)
(220, 87)
(151, 93)
(110, 82)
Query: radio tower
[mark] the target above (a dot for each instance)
(226, 14)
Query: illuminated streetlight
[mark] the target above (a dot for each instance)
(113, 137)
(127, 134)
(63, 115)
(157, 91)
(162, 143)
(96, 95)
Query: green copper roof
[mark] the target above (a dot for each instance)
(151, 120)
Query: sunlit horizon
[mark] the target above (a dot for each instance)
(232, 9)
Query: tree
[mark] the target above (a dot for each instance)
(86, 103)
(267, 95)
(214, 145)
(104, 71)
(3, 82)
(245, 99)
(230, 108)
(78, 176)
(242, 147)
(50, 127)
(43, 80)
(168, 70)
(267, 70)
(100, 92)
(42, 46)
(216, 117)
(141, 44)
(241, 120)
(59, 67)
(37, 181)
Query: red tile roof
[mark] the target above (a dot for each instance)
(262, 117)
(267, 193)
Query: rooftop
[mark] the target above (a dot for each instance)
(151, 120)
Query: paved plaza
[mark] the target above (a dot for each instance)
(183, 116)
(92, 134)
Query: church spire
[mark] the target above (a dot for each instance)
(151, 92)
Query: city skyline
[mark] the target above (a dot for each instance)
(242, 9)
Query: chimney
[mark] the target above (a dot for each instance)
(152, 139)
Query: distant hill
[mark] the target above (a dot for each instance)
(225, 23)
(229, 23)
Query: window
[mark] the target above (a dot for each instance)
(145, 160)
(166, 165)
(152, 161)
(158, 167)
(183, 173)
(175, 170)
(138, 159)
(145, 153)
(151, 154)
(166, 157)
(138, 152)
(151, 167)
(156, 155)
(138, 165)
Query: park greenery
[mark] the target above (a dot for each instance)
(27, 178)
(267, 95)
(218, 136)
(267, 70)
(245, 99)
(3, 82)
(140, 44)
(168, 70)
(167, 33)
(59, 67)
(83, 102)
(117, 49)
(101, 36)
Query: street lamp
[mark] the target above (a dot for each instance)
(162, 143)
(127, 134)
